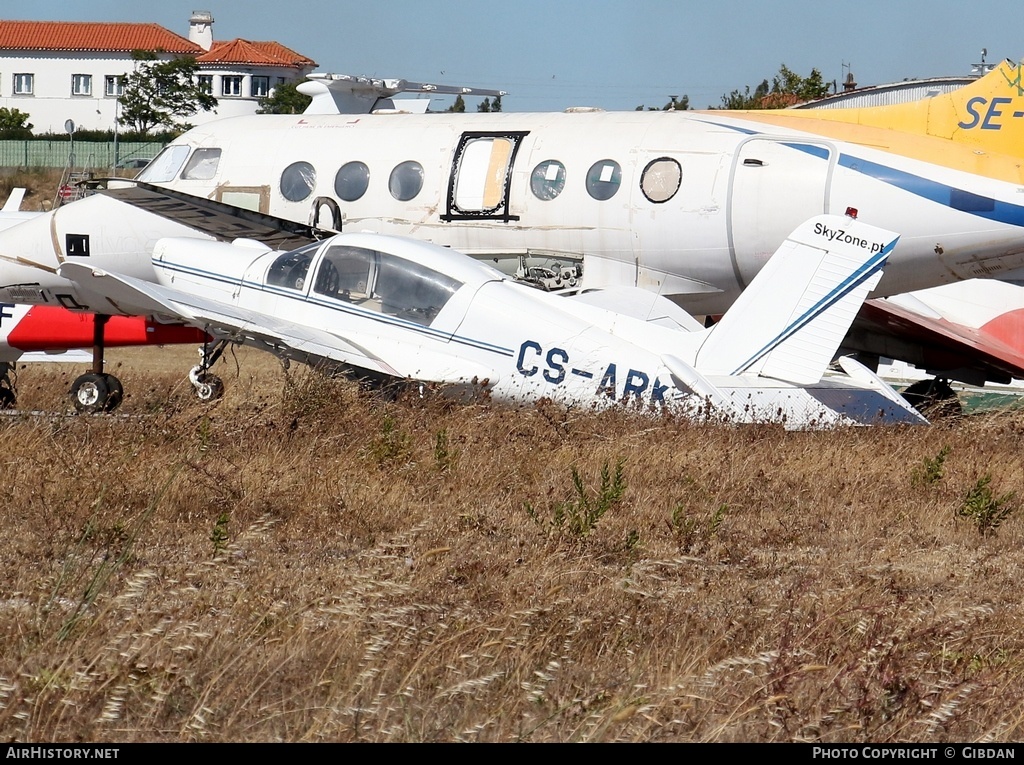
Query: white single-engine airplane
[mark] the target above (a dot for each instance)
(688, 205)
(394, 309)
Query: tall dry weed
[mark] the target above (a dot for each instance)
(305, 561)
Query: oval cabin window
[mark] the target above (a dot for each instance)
(406, 180)
(352, 181)
(297, 181)
(547, 179)
(603, 179)
(661, 179)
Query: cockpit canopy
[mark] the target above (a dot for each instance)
(373, 278)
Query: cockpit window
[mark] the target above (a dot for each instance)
(547, 179)
(290, 269)
(660, 179)
(165, 165)
(379, 281)
(603, 179)
(406, 180)
(202, 165)
(297, 181)
(345, 273)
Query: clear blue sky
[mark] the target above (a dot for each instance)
(616, 55)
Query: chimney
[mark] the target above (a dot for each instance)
(200, 29)
(850, 83)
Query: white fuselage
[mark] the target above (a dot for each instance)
(689, 205)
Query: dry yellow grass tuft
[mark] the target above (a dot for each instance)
(303, 561)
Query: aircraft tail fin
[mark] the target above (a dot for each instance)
(789, 323)
(13, 203)
(985, 115)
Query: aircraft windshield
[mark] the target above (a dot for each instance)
(383, 282)
(165, 165)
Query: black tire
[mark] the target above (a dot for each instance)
(933, 398)
(90, 392)
(209, 387)
(115, 393)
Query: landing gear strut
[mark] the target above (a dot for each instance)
(97, 391)
(208, 386)
(8, 396)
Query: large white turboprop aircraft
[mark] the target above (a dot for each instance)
(396, 310)
(687, 204)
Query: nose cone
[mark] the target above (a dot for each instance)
(98, 231)
(28, 260)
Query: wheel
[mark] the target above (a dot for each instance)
(933, 398)
(115, 393)
(208, 387)
(93, 393)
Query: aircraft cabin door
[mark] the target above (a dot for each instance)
(776, 185)
(481, 176)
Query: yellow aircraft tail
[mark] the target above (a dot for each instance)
(987, 114)
(978, 128)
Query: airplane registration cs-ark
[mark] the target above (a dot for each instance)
(687, 204)
(396, 310)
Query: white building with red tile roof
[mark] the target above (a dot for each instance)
(60, 70)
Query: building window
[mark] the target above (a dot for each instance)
(81, 84)
(260, 87)
(205, 83)
(231, 85)
(23, 84)
(113, 86)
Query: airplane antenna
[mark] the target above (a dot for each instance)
(848, 82)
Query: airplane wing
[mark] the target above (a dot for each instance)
(371, 354)
(134, 296)
(935, 343)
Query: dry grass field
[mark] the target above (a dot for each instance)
(303, 561)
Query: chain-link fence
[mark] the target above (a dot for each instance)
(87, 154)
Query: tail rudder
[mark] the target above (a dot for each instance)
(789, 323)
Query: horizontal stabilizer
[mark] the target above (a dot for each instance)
(640, 304)
(789, 323)
(13, 203)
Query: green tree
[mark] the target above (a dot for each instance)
(14, 124)
(458, 107)
(162, 93)
(787, 88)
(746, 99)
(284, 99)
(489, 106)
